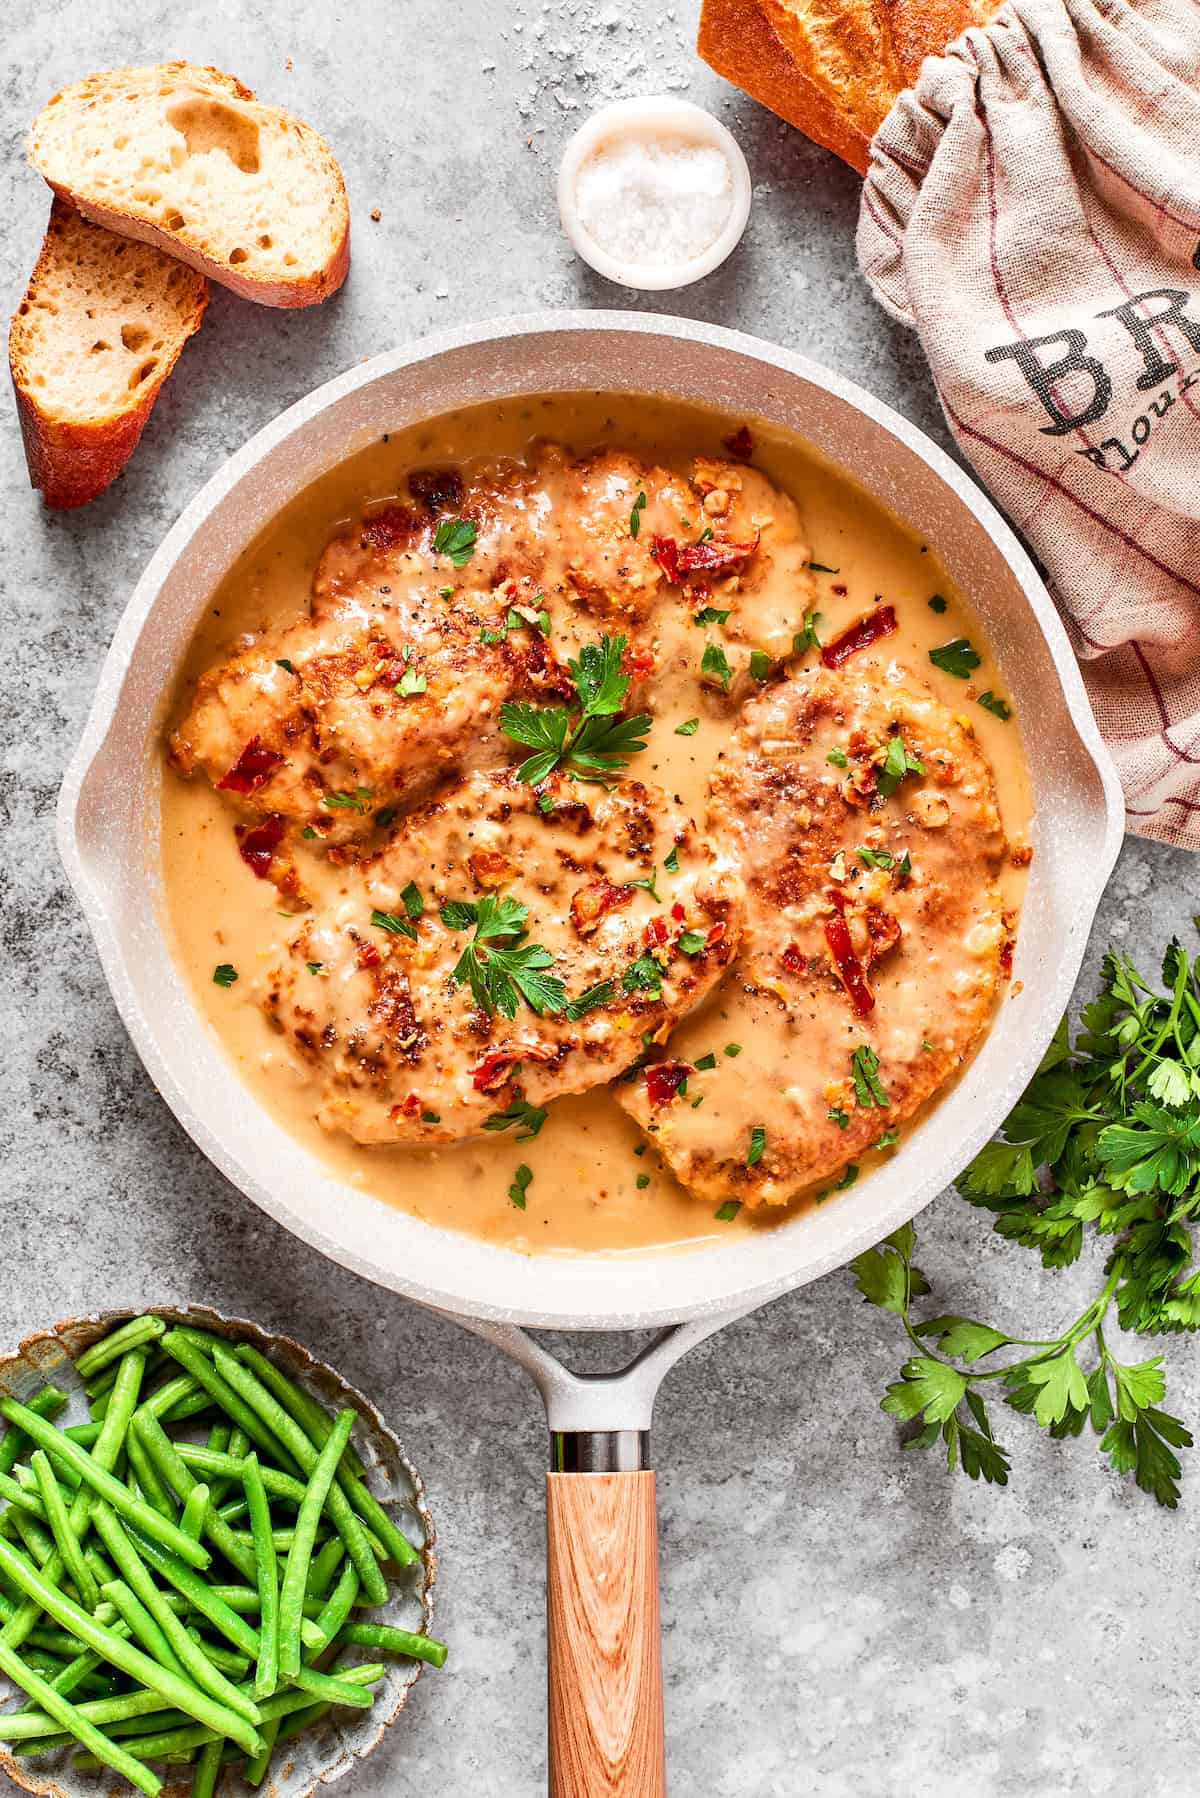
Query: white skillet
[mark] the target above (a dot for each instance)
(605, 1684)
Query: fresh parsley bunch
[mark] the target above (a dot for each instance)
(600, 741)
(1105, 1140)
(497, 964)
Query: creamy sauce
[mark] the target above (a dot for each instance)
(595, 1186)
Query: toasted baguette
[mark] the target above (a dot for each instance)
(99, 330)
(832, 67)
(185, 158)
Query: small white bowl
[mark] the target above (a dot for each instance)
(652, 119)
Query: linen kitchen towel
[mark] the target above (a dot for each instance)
(1032, 208)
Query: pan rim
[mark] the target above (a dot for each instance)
(797, 1267)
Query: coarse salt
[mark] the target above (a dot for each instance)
(656, 204)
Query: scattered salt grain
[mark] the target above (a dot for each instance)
(654, 204)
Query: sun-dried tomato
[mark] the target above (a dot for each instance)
(368, 955)
(495, 1067)
(253, 768)
(594, 901)
(664, 1080)
(793, 958)
(865, 631)
(711, 557)
(849, 968)
(257, 845)
(655, 933)
(740, 444)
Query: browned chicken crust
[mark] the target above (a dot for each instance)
(910, 876)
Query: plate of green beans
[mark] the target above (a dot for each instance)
(216, 1561)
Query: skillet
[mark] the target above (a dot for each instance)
(605, 1697)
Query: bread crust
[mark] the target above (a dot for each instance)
(132, 221)
(72, 461)
(737, 41)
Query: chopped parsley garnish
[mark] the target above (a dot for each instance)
(385, 817)
(431, 1117)
(643, 1181)
(733, 1050)
(847, 1179)
(761, 664)
(282, 662)
(877, 858)
(671, 861)
(838, 757)
(758, 1142)
(688, 728)
(837, 1116)
(445, 593)
(308, 831)
(224, 974)
(714, 663)
(649, 886)
(411, 898)
(394, 924)
(956, 657)
(641, 1149)
(897, 764)
(726, 1213)
(705, 535)
(937, 603)
(500, 976)
(705, 1062)
(692, 941)
(348, 802)
(643, 975)
(904, 866)
(635, 517)
(410, 682)
(823, 568)
(597, 995)
(315, 967)
(455, 537)
(710, 615)
(806, 637)
(886, 1141)
(928, 1048)
(520, 1186)
(999, 708)
(545, 803)
(867, 1090)
(601, 740)
(529, 1117)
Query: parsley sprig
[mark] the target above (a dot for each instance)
(1106, 1140)
(497, 964)
(600, 740)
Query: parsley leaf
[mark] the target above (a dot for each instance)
(761, 665)
(529, 1117)
(758, 1142)
(394, 924)
(937, 603)
(635, 516)
(499, 977)
(999, 708)
(412, 901)
(688, 728)
(643, 975)
(601, 741)
(726, 1213)
(595, 996)
(864, 1064)
(898, 764)
(520, 1186)
(455, 537)
(956, 657)
(224, 974)
(806, 637)
(715, 664)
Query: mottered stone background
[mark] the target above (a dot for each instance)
(840, 1619)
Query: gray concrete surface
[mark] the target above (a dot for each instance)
(841, 1619)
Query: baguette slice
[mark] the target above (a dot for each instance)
(185, 158)
(99, 330)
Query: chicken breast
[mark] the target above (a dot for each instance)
(507, 947)
(863, 820)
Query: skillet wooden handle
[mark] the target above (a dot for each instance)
(605, 1666)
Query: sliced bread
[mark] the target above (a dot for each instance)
(185, 158)
(96, 335)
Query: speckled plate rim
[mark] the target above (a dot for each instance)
(102, 833)
(42, 1357)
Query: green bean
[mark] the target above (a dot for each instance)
(323, 1685)
(337, 1607)
(256, 1770)
(205, 1374)
(84, 1434)
(208, 1770)
(123, 1654)
(227, 1659)
(234, 1511)
(66, 1541)
(167, 1399)
(266, 1676)
(143, 1626)
(291, 1599)
(200, 1595)
(394, 1641)
(64, 1712)
(316, 1425)
(21, 1725)
(348, 1526)
(153, 1487)
(172, 1466)
(47, 1403)
(312, 1417)
(110, 1489)
(102, 1383)
(194, 1507)
(138, 1331)
(324, 1567)
(16, 1494)
(218, 1443)
(298, 1721)
(195, 1662)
